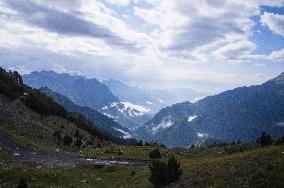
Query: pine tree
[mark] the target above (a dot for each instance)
(174, 171)
(265, 139)
(155, 154)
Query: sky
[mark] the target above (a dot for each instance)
(205, 45)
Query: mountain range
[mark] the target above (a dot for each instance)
(154, 99)
(101, 121)
(90, 93)
(242, 113)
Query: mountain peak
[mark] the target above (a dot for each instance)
(279, 78)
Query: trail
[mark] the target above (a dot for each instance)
(24, 155)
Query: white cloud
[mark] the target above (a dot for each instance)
(119, 2)
(274, 22)
(244, 51)
(236, 50)
(181, 43)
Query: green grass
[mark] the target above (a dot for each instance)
(261, 167)
(80, 176)
(254, 167)
(127, 152)
(36, 131)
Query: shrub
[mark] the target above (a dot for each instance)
(174, 171)
(78, 143)
(67, 140)
(43, 104)
(140, 143)
(11, 83)
(155, 154)
(22, 183)
(159, 175)
(265, 139)
(163, 174)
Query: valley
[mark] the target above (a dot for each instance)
(47, 140)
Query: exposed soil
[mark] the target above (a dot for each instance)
(22, 154)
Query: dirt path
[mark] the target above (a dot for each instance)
(22, 154)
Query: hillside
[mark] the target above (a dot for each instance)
(36, 120)
(90, 93)
(101, 121)
(242, 113)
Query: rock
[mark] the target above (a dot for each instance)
(84, 181)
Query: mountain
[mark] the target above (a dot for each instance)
(154, 100)
(86, 92)
(242, 113)
(134, 95)
(101, 121)
(90, 93)
(29, 117)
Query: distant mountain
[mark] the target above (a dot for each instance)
(134, 95)
(90, 93)
(151, 99)
(242, 113)
(86, 92)
(101, 121)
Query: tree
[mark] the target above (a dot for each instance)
(239, 141)
(22, 183)
(67, 140)
(78, 143)
(163, 174)
(265, 139)
(155, 154)
(174, 171)
(140, 143)
(159, 173)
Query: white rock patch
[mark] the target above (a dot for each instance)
(191, 118)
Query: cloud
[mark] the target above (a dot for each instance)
(161, 44)
(274, 22)
(63, 23)
(184, 27)
(244, 51)
(187, 25)
(119, 2)
(238, 50)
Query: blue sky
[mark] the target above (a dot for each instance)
(206, 45)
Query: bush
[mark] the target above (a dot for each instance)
(265, 140)
(140, 143)
(155, 154)
(280, 140)
(163, 174)
(11, 84)
(43, 104)
(22, 183)
(67, 140)
(159, 175)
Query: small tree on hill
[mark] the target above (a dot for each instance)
(174, 171)
(155, 154)
(67, 140)
(159, 175)
(163, 174)
(239, 141)
(140, 143)
(22, 183)
(265, 139)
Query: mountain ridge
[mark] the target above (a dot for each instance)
(242, 113)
